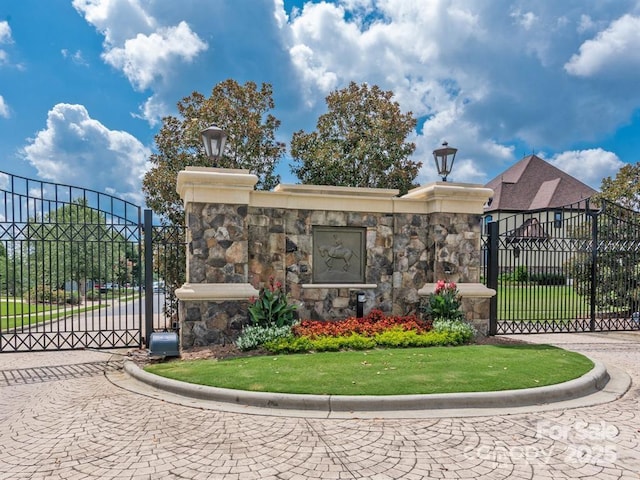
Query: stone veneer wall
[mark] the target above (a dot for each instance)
(239, 238)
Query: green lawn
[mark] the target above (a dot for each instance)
(537, 302)
(16, 313)
(474, 368)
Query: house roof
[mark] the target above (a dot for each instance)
(531, 229)
(533, 184)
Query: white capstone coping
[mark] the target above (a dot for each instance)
(452, 197)
(345, 201)
(215, 185)
(216, 291)
(350, 286)
(333, 190)
(235, 186)
(475, 290)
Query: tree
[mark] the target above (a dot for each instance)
(359, 142)
(73, 243)
(242, 111)
(624, 189)
(615, 277)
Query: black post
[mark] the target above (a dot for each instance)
(492, 276)
(148, 275)
(360, 300)
(594, 268)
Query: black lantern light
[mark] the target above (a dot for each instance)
(444, 158)
(214, 139)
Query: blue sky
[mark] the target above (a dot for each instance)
(84, 83)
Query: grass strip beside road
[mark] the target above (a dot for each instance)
(17, 314)
(473, 368)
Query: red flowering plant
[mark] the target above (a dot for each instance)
(373, 323)
(272, 306)
(444, 303)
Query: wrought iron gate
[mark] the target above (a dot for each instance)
(75, 271)
(570, 269)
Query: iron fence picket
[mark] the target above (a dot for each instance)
(572, 269)
(71, 268)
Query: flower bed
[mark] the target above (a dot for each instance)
(375, 322)
(374, 330)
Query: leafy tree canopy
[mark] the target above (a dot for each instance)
(359, 142)
(73, 242)
(624, 189)
(242, 111)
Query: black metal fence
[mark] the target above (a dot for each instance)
(165, 267)
(75, 271)
(570, 269)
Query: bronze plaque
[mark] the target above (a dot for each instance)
(339, 254)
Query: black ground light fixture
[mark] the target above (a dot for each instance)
(444, 158)
(361, 298)
(214, 139)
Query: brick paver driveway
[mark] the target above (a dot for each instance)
(61, 416)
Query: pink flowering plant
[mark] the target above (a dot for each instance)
(272, 307)
(444, 303)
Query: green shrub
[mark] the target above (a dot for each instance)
(354, 341)
(44, 294)
(357, 341)
(72, 298)
(548, 278)
(328, 344)
(272, 306)
(254, 336)
(407, 339)
(521, 274)
(289, 344)
(396, 337)
(449, 333)
(92, 295)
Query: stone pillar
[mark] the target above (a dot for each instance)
(475, 303)
(214, 301)
(455, 233)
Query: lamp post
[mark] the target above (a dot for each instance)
(214, 139)
(444, 158)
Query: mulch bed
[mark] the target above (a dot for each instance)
(219, 352)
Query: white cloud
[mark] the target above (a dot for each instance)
(146, 58)
(153, 110)
(450, 125)
(5, 32)
(586, 24)
(4, 108)
(75, 57)
(148, 50)
(616, 49)
(78, 150)
(117, 20)
(526, 20)
(588, 166)
(5, 38)
(486, 76)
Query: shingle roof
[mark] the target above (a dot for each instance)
(533, 184)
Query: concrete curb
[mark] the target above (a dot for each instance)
(590, 383)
